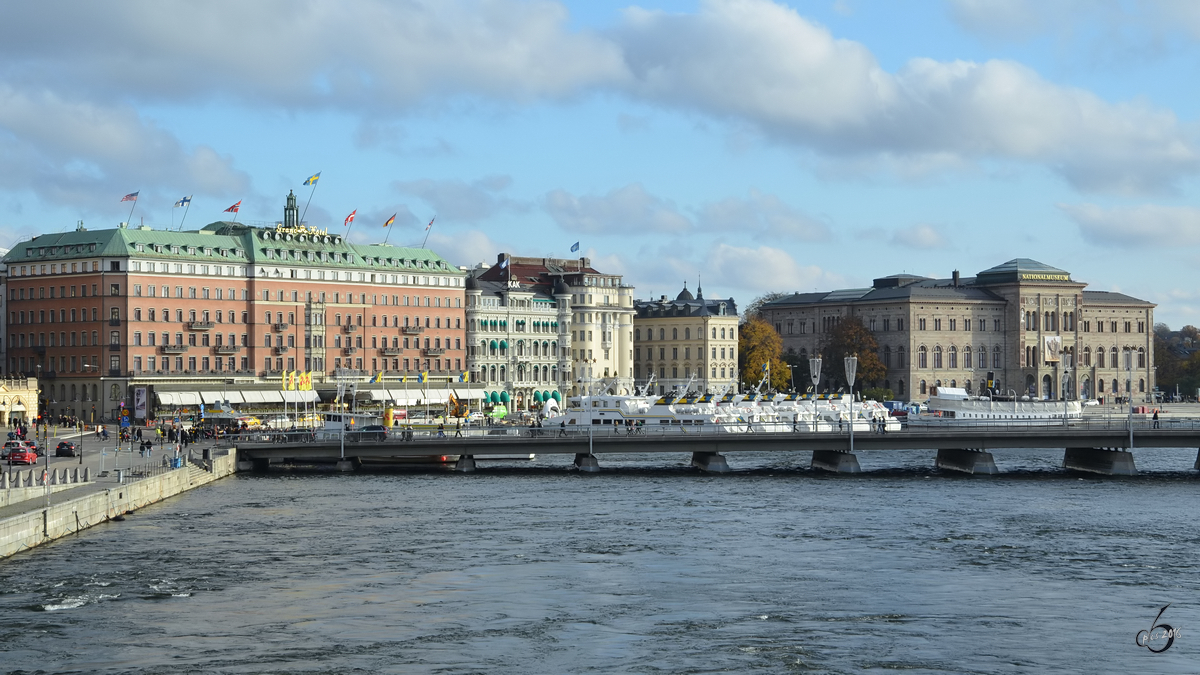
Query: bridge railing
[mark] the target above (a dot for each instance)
(400, 434)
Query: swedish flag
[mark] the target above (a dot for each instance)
(313, 178)
(465, 377)
(423, 377)
(378, 378)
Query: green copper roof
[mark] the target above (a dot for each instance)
(1021, 269)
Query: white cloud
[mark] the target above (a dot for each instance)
(1018, 19)
(763, 269)
(626, 209)
(468, 248)
(765, 215)
(1143, 225)
(921, 236)
(459, 201)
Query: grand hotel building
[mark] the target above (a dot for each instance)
(95, 313)
(1035, 330)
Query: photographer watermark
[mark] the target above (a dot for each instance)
(1160, 637)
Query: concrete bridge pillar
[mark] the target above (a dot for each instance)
(836, 461)
(1196, 466)
(346, 465)
(586, 462)
(710, 462)
(1100, 460)
(966, 461)
(465, 464)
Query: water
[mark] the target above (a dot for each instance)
(648, 567)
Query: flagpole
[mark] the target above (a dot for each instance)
(385, 238)
(310, 196)
(185, 210)
(129, 220)
(427, 229)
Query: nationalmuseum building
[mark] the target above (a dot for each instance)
(224, 308)
(1027, 326)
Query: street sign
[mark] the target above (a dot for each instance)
(124, 420)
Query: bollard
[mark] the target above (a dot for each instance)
(87, 474)
(4, 482)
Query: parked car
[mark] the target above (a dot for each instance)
(371, 432)
(22, 455)
(66, 449)
(32, 445)
(9, 447)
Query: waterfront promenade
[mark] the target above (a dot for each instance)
(119, 482)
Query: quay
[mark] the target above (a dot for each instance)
(81, 496)
(1099, 446)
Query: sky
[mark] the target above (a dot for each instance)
(749, 145)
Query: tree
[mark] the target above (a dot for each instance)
(759, 344)
(850, 337)
(754, 309)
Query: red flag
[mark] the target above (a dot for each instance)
(234, 208)
(350, 218)
(390, 220)
(430, 223)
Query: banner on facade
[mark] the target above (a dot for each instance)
(1052, 348)
(139, 403)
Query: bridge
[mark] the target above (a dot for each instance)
(1091, 445)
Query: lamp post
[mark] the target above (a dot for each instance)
(851, 370)
(1129, 392)
(1066, 379)
(792, 371)
(814, 371)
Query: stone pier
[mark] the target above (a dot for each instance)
(465, 464)
(346, 465)
(1099, 460)
(586, 462)
(966, 461)
(710, 462)
(835, 461)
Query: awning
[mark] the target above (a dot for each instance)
(556, 396)
(494, 345)
(18, 407)
(189, 398)
(300, 396)
(537, 396)
(252, 397)
(470, 394)
(494, 397)
(503, 344)
(272, 396)
(381, 395)
(504, 397)
(212, 396)
(168, 398)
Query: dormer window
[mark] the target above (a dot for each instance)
(191, 250)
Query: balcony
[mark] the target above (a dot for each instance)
(173, 349)
(392, 351)
(349, 328)
(412, 330)
(40, 349)
(114, 347)
(200, 325)
(428, 351)
(114, 372)
(226, 349)
(350, 350)
(281, 350)
(280, 327)
(114, 322)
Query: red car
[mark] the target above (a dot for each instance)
(22, 456)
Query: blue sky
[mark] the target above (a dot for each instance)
(758, 146)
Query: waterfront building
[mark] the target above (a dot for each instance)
(594, 312)
(674, 340)
(19, 400)
(228, 307)
(1022, 328)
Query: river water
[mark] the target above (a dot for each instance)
(647, 567)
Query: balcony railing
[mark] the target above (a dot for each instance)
(114, 347)
(280, 327)
(173, 349)
(114, 322)
(349, 328)
(350, 350)
(433, 351)
(412, 330)
(281, 350)
(40, 349)
(227, 349)
(392, 351)
(114, 372)
(200, 325)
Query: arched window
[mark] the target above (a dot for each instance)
(1100, 359)
(887, 358)
(687, 333)
(996, 360)
(637, 333)
(953, 383)
(674, 333)
(502, 378)
(1100, 386)
(1087, 356)
(923, 389)
(900, 358)
(967, 356)
(1112, 354)
(937, 357)
(922, 361)
(520, 348)
(900, 388)
(953, 358)
(662, 334)
(1142, 386)
(1115, 387)
(1141, 357)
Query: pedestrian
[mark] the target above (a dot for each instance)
(441, 430)
(562, 428)
(1156, 418)
(458, 429)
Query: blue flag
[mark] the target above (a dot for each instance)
(185, 201)
(313, 178)
(575, 247)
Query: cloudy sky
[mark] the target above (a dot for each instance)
(760, 146)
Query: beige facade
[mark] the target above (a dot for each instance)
(1014, 329)
(690, 336)
(19, 399)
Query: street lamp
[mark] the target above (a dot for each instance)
(851, 370)
(1129, 391)
(1066, 379)
(814, 371)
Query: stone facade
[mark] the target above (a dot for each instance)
(1020, 323)
(690, 335)
(595, 328)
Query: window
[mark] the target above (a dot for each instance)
(922, 360)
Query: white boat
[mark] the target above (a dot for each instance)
(950, 405)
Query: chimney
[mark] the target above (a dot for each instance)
(956, 278)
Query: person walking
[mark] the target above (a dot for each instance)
(562, 428)
(1156, 418)
(458, 429)
(441, 430)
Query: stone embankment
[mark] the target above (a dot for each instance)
(75, 507)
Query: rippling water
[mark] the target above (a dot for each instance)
(647, 567)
